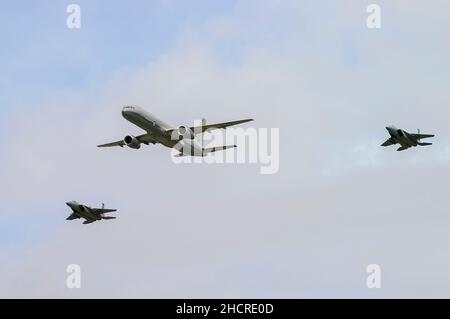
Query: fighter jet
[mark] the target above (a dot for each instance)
(405, 139)
(181, 138)
(89, 214)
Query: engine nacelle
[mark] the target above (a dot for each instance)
(185, 132)
(132, 142)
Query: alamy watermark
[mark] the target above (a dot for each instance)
(373, 281)
(374, 19)
(233, 145)
(74, 18)
(73, 280)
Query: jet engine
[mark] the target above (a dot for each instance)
(132, 142)
(185, 132)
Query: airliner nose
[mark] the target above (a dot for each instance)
(127, 110)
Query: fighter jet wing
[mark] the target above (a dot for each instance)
(219, 125)
(421, 136)
(104, 210)
(390, 141)
(145, 139)
(402, 148)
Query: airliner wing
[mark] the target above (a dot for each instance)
(206, 151)
(217, 148)
(118, 143)
(145, 139)
(218, 125)
(201, 129)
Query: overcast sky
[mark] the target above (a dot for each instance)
(310, 68)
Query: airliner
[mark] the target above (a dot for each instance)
(158, 132)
